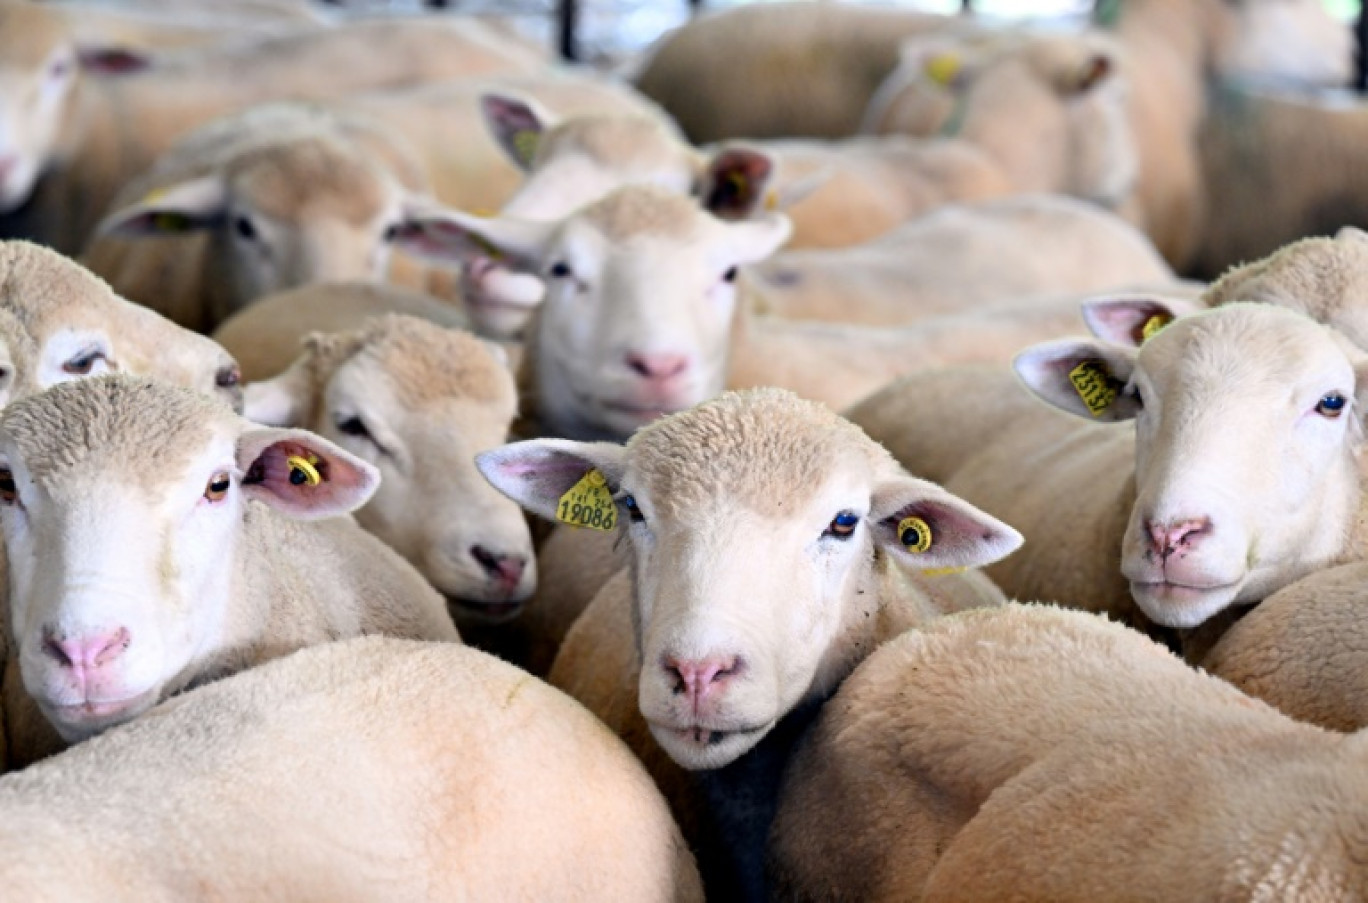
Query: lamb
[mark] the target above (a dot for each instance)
(1032, 753)
(59, 322)
(367, 769)
(643, 313)
(265, 336)
(87, 137)
(270, 199)
(150, 547)
(807, 70)
(1196, 522)
(418, 402)
(726, 651)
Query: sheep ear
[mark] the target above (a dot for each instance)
(736, 182)
(517, 124)
(1130, 320)
(112, 60)
(1096, 69)
(174, 210)
(751, 240)
(303, 475)
(537, 473)
(450, 236)
(923, 526)
(282, 400)
(1081, 377)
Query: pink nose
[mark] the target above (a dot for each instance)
(703, 678)
(90, 652)
(657, 367)
(1166, 539)
(505, 570)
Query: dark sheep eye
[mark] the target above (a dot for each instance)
(842, 526)
(228, 377)
(83, 363)
(244, 228)
(352, 426)
(1332, 405)
(391, 233)
(8, 492)
(730, 275)
(633, 511)
(559, 270)
(217, 487)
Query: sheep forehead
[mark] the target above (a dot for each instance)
(29, 34)
(144, 431)
(1319, 276)
(39, 286)
(314, 177)
(640, 211)
(425, 363)
(614, 140)
(766, 450)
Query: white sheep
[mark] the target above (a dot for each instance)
(773, 546)
(646, 305)
(418, 402)
(155, 540)
(58, 322)
(276, 197)
(85, 137)
(1238, 477)
(368, 769)
(1029, 753)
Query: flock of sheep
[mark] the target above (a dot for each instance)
(1062, 605)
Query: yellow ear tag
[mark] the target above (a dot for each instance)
(1153, 325)
(941, 572)
(588, 504)
(304, 470)
(738, 183)
(525, 144)
(484, 245)
(942, 68)
(1094, 385)
(915, 534)
(771, 200)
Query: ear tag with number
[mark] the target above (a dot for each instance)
(304, 470)
(1153, 325)
(588, 504)
(915, 534)
(1094, 385)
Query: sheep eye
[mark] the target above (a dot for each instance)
(83, 363)
(730, 275)
(217, 488)
(390, 234)
(633, 511)
(559, 270)
(1332, 405)
(228, 377)
(244, 228)
(842, 526)
(352, 426)
(8, 492)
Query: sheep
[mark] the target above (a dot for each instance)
(366, 769)
(276, 197)
(1030, 753)
(725, 651)
(418, 402)
(643, 313)
(86, 137)
(114, 29)
(59, 322)
(1301, 649)
(150, 547)
(1067, 92)
(1197, 520)
(806, 70)
(264, 337)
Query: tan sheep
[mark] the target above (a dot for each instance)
(1029, 753)
(779, 69)
(773, 546)
(86, 137)
(1239, 476)
(104, 28)
(371, 769)
(279, 196)
(58, 322)
(154, 540)
(418, 402)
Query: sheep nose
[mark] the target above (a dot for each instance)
(1167, 538)
(506, 570)
(89, 652)
(701, 678)
(657, 367)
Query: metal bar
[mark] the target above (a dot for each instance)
(1361, 38)
(567, 23)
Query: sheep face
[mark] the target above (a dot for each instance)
(38, 71)
(1247, 428)
(419, 402)
(639, 305)
(1296, 40)
(762, 529)
(123, 503)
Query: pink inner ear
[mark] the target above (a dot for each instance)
(951, 528)
(341, 487)
(1122, 321)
